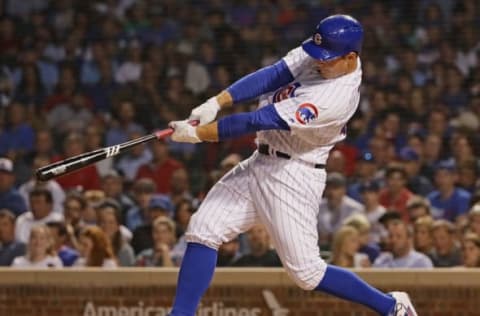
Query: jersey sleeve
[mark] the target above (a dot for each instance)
(296, 60)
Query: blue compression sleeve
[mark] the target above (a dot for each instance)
(261, 81)
(235, 125)
(345, 284)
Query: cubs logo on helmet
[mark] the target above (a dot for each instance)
(306, 113)
(285, 92)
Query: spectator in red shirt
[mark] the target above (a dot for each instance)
(161, 168)
(395, 196)
(87, 178)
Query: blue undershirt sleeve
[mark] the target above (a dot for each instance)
(265, 118)
(264, 80)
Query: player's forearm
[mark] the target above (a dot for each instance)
(264, 80)
(240, 124)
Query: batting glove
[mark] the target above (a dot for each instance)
(206, 112)
(184, 132)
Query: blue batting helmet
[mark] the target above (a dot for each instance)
(335, 36)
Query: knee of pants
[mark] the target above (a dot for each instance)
(201, 231)
(307, 276)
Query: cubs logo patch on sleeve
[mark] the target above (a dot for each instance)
(285, 92)
(306, 113)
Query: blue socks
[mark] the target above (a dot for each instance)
(345, 284)
(196, 272)
(199, 263)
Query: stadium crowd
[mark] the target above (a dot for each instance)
(402, 189)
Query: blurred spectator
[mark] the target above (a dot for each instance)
(261, 254)
(346, 243)
(61, 239)
(158, 206)
(131, 69)
(416, 182)
(73, 208)
(95, 249)
(9, 196)
(448, 201)
(474, 219)
(112, 185)
(162, 167)
(93, 199)
(87, 178)
(335, 207)
(58, 194)
(432, 153)
(161, 254)
(180, 186)
(9, 247)
(109, 221)
(121, 129)
(183, 212)
(471, 251)
(129, 163)
(70, 116)
(468, 174)
(40, 250)
(43, 146)
(446, 250)
(395, 196)
(41, 205)
(17, 138)
(402, 254)
(372, 209)
(363, 227)
(336, 162)
(137, 215)
(418, 207)
(422, 236)
(365, 171)
(228, 252)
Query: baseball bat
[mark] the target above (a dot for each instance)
(68, 165)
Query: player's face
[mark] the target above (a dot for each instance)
(336, 67)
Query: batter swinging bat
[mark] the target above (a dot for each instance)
(74, 163)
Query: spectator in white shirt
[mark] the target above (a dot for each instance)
(40, 250)
(335, 207)
(58, 194)
(402, 254)
(41, 212)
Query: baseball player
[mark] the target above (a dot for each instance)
(305, 101)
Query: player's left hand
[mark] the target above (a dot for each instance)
(206, 112)
(184, 132)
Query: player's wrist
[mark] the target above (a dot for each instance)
(207, 132)
(224, 99)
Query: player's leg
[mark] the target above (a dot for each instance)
(226, 211)
(288, 199)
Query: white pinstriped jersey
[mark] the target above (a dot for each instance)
(316, 109)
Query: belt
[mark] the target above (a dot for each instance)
(265, 150)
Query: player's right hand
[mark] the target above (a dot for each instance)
(206, 112)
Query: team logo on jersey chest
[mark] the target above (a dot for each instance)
(306, 113)
(285, 92)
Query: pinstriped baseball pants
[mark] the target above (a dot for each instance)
(282, 194)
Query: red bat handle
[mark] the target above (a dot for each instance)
(169, 131)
